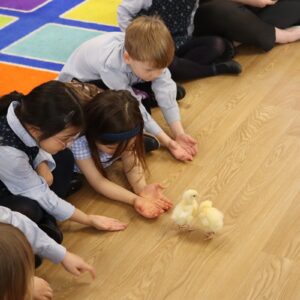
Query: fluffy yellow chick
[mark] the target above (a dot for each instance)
(209, 219)
(186, 210)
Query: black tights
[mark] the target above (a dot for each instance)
(196, 57)
(248, 25)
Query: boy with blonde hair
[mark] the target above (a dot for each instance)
(141, 54)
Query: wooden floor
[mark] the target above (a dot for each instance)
(248, 128)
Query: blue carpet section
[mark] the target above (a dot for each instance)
(13, 46)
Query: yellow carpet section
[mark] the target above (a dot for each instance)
(97, 11)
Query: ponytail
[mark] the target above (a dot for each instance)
(6, 100)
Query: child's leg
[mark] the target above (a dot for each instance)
(288, 35)
(283, 14)
(198, 57)
(64, 180)
(205, 49)
(235, 22)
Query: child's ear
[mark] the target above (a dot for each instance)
(126, 57)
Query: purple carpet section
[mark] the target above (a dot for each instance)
(25, 5)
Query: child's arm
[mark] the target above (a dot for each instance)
(113, 191)
(185, 147)
(42, 244)
(43, 170)
(128, 9)
(136, 177)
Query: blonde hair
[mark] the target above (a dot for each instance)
(147, 39)
(16, 264)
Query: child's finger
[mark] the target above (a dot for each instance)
(90, 269)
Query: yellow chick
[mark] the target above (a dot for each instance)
(209, 219)
(186, 210)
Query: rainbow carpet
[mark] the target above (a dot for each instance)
(37, 36)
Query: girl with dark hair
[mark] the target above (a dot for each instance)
(114, 129)
(32, 128)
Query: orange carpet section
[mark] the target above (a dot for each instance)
(22, 79)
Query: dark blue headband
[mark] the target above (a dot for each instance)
(120, 136)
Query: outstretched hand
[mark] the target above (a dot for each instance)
(106, 223)
(188, 143)
(179, 152)
(76, 265)
(147, 208)
(154, 192)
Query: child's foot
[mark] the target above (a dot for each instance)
(180, 92)
(151, 143)
(75, 184)
(227, 67)
(288, 35)
(295, 33)
(229, 51)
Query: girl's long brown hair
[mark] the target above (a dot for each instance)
(114, 112)
(16, 264)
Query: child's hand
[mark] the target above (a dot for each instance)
(188, 143)
(43, 170)
(179, 152)
(41, 289)
(147, 208)
(76, 265)
(154, 192)
(105, 223)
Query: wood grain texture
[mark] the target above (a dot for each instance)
(248, 129)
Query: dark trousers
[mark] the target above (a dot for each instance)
(62, 177)
(248, 25)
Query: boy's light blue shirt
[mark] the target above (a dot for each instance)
(40, 242)
(21, 179)
(102, 58)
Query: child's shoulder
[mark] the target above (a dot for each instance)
(80, 144)
(80, 148)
